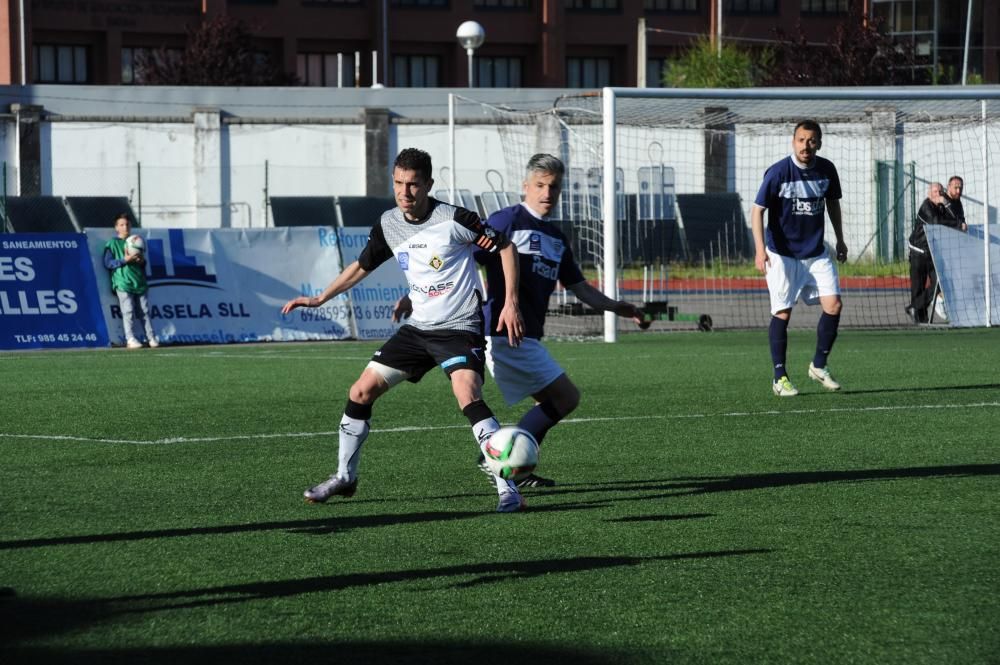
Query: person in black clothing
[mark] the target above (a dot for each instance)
(936, 209)
(954, 194)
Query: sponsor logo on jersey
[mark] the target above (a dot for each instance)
(436, 263)
(418, 245)
(540, 267)
(433, 290)
(404, 260)
(535, 242)
(557, 246)
(806, 207)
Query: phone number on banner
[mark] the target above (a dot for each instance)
(340, 312)
(51, 338)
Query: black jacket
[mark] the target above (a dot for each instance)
(932, 213)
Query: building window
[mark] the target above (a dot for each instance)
(502, 4)
(420, 4)
(416, 71)
(588, 72)
(751, 6)
(593, 5)
(498, 72)
(135, 58)
(60, 64)
(824, 6)
(655, 68)
(320, 69)
(671, 5)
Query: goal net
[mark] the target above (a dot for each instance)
(687, 167)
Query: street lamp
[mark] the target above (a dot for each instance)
(471, 36)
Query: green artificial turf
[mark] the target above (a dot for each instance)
(151, 509)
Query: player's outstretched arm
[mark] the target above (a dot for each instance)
(510, 315)
(757, 226)
(833, 209)
(351, 275)
(589, 295)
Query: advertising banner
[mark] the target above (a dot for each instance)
(374, 298)
(48, 297)
(961, 269)
(217, 286)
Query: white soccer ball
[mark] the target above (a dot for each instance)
(134, 245)
(511, 453)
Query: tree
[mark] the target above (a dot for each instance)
(701, 66)
(220, 51)
(857, 53)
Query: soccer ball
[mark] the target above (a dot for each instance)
(511, 453)
(134, 245)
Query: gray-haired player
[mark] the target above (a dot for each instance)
(528, 369)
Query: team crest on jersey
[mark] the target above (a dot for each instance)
(435, 263)
(535, 242)
(404, 260)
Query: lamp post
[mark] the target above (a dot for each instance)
(471, 36)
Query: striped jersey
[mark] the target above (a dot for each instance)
(545, 257)
(436, 254)
(795, 198)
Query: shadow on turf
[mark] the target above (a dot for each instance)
(26, 619)
(375, 653)
(685, 486)
(317, 526)
(879, 391)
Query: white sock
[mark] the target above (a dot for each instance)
(353, 433)
(505, 486)
(483, 430)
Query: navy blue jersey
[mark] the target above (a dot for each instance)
(795, 199)
(545, 257)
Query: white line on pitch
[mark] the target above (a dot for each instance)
(418, 428)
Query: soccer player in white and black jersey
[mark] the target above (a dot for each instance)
(527, 369)
(434, 244)
(797, 193)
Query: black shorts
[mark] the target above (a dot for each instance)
(418, 351)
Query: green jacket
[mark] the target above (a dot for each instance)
(126, 277)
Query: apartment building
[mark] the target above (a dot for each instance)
(412, 43)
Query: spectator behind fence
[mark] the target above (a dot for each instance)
(937, 208)
(128, 282)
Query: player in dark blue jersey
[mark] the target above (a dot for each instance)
(545, 258)
(796, 193)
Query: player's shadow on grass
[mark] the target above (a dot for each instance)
(922, 389)
(326, 525)
(24, 620)
(367, 653)
(691, 485)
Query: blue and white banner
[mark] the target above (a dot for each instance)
(48, 297)
(961, 267)
(216, 286)
(373, 299)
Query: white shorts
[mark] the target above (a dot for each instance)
(789, 279)
(522, 371)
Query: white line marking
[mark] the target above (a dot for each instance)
(418, 428)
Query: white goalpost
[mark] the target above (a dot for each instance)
(660, 184)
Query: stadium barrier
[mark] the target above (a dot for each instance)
(48, 294)
(207, 286)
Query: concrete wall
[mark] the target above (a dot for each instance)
(209, 158)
